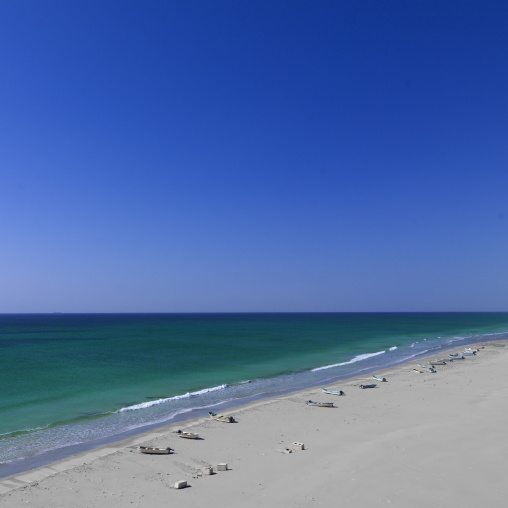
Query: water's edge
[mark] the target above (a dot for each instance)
(43, 459)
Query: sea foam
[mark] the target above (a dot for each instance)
(358, 358)
(144, 405)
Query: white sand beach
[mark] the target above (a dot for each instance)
(419, 439)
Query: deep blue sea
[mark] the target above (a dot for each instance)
(70, 382)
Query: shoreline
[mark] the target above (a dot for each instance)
(46, 458)
(280, 416)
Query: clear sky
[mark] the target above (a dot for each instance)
(215, 156)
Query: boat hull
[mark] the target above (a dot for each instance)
(221, 418)
(154, 451)
(319, 404)
(332, 392)
(188, 435)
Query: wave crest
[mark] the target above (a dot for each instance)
(358, 358)
(144, 405)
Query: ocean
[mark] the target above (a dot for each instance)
(71, 382)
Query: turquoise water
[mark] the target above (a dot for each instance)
(75, 379)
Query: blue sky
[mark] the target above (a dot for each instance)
(229, 156)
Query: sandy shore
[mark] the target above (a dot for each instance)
(417, 440)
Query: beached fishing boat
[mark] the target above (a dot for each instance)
(432, 369)
(221, 418)
(319, 404)
(418, 371)
(155, 451)
(332, 392)
(377, 378)
(453, 358)
(367, 386)
(468, 353)
(187, 435)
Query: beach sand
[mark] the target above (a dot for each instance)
(416, 440)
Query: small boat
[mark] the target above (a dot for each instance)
(377, 378)
(187, 435)
(155, 451)
(332, 392)
(367, 386)
(453, 354)
(453, 358)
(418, 371)
(319, 404)
(497, 345)
(471, 349)
(221, 418)
(468, 353)
(432, 369)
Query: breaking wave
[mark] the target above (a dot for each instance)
(358, 358)
(144, 405)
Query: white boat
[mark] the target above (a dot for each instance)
(187, 435)
(377, 378)
(155, 451)
(332, 392)
(221, 418)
